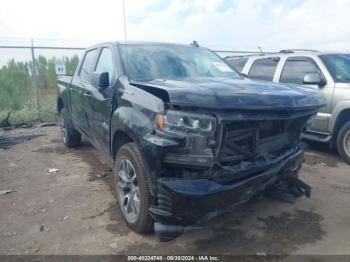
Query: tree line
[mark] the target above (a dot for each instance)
(17, 84)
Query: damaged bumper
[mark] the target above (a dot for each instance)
(190, 201)
(195, 201)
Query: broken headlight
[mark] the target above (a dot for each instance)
(185, 122)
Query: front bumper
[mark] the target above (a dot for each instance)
(194, 201)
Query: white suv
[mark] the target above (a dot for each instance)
(329, 72)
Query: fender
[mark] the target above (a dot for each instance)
(135, 117)
(137, 96)
(149, 153)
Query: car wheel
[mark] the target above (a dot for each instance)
(132, 189)
(343, 142)
(69, 136)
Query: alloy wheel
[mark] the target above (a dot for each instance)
(128, 190)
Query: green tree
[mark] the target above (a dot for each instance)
(17, 93)
(15, 85)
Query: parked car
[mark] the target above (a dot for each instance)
(189, 137)
(326, 71)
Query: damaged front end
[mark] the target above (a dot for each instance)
(215, 161)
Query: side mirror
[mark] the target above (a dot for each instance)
(100, 81)
(314, 79)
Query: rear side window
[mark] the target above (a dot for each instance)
(88, 65)
(296, 68)
(237, 63)
(264, 69)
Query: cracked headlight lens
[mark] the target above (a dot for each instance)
(186, 122)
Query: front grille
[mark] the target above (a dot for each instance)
(252, 140)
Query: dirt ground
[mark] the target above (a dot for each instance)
(73, 211)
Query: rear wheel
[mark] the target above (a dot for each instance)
(69, 136)
(131, 187)
(343, 142)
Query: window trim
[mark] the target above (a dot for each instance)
(233, 59)
(82, 63)
(114, 63)
(265, 58)
(298, 58)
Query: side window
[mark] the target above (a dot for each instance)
(105, 64)
(237, 63)
(88, 65)
(264, 68)
(296, 68)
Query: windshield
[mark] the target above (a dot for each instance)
(339, 66)
(149, 62)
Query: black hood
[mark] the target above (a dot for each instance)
(223, 93)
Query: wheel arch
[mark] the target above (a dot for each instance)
(342, 118)
(60, 104)
(120, 138)
(124, 135)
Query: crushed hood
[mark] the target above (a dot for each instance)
(223, 93)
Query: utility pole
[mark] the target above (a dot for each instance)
(35, 81)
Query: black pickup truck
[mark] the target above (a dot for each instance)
(189, 137)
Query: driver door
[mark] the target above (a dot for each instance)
(100, 101)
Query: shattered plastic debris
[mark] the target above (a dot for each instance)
(11, 164)
(52, 171)
(105, 173)
(4, 192)
(9, 234)
(114, 245)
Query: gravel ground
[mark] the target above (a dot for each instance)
(72, 211)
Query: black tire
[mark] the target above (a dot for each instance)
(343, 142)
(142, 222)
(69, 136)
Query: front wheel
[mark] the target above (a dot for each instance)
(132, 189)
(343, 142)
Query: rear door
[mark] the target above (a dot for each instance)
(99, 106)
(81, 89)
(294, 70)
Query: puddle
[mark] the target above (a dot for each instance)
(7, 141)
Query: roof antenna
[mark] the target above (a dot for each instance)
(126, 42)
(194, 43)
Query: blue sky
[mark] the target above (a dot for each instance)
(217, 24)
